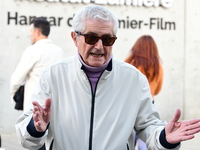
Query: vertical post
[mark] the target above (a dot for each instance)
(0, 141)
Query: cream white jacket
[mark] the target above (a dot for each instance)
(104, 121)
(34, 59)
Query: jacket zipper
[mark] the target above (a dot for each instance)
(91, 123)
(92, 111)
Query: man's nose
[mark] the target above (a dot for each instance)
(99, 44)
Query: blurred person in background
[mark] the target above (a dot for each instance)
(145, 57)
(42, 53)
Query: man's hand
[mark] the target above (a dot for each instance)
(41, 116)
(181, 131)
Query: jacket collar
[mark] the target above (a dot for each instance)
(106, 72)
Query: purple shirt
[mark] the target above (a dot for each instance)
(94, 72)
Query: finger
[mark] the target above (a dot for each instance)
(35, 103)
(191, 122)
(193, 126)
(176, 116)
(36, 116)
(187, 137)
(47, 105)
(193, 131)
(38, 126)
(35, 109)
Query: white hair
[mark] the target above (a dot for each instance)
(93, 12)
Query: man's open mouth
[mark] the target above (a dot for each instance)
(97, 55)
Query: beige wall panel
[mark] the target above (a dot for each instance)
(192, 60)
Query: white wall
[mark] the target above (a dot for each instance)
(179, 48)
(192, 61)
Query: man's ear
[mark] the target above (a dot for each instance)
(37, 32)
(74, 37)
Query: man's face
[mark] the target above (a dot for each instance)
(32, 34)
(97, 54)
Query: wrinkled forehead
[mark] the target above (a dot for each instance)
(99, 24)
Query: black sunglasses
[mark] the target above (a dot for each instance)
(92, 39)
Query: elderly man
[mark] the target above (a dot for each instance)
(93, 101)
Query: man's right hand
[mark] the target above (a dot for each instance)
(41, 116)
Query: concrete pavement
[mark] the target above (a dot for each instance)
(10, 142)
